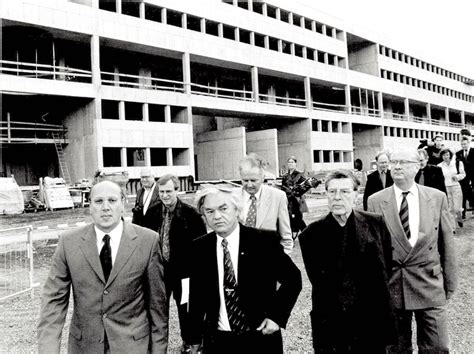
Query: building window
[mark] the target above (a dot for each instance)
(110, 109)
(326, 155)
(324, 126)
(316, 154)
(158, 156)
(315, 125)
(347, 156)
(337, 156)
(135, 157)
(133, 111)
(111, 157)
(335, 127)
(156, 113)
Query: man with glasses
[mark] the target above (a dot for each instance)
(378, 179)
(345, 255)
(429, 175)
(424, 266)
(147, 200)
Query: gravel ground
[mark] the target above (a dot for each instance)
(19, 315)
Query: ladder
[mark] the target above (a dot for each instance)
(61, 158)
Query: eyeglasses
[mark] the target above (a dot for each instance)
(402, 162)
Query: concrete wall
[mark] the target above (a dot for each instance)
(264, 143)
(218, 153)
(367, 143)
(295, 140)
(364, 60)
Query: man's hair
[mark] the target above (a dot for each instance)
(342, 174)
(208, 189)
(438, 136)
(292, 158)
(423, 152)
(252, 160)
(465, 131)
(446, 150)
(380, 153)
(465, 138)
(123, 196)
(169, 177)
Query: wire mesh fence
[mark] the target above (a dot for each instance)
(16, 262)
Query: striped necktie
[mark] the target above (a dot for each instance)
(404, 215)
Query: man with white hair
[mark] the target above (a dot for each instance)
(235, 302)
(147, 200)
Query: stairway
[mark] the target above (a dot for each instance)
(61, 158)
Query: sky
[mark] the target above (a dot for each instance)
(441, 30)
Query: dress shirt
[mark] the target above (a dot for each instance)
(247, 203)
(147, 193)
(413, 201)
(449, 171)
(233, 246)
(115, 237)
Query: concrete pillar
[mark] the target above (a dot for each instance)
(307, 93)
(186, 72)
(118, 6)
(95, 60)
(406, 101)
(313, 25)
(266, 41)
(141, 10)
(184, 21)
(147, 157)
(121, 110)
(324, 29)
(237, 34)
(302, 24)
(305, 52)
(95, 4)
(280, 45)
(220, 29)
(292, 48)
(203, 25)
(235, 2)
(278, 13)
(446, 114)
(264, 9)
(145, 112)
(347, 94)
(167, 114)
(326, 58)
(290, 18)
(116, 76)
(123, 157)
(169, 157)
(333, 33)
(252, 38)
(428, 112)
(255, 89)
(250, 5)
(463, 119)
(164, 16)
(380, 103)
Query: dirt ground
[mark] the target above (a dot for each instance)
(19, 315)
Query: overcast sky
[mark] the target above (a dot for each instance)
(441, 30)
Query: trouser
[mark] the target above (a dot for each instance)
(247, 342)
(455, 203)
(431, 331)
(183, 314)
(466, 196)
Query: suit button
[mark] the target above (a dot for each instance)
(106, 292)
(104, 315)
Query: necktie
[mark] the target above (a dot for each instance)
(404, 215)
(382, 178)
(465, 154)
(165, 236)
(231, 296)
(252, 213)
(106, 257)
(422, 178)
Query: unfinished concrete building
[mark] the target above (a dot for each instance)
(117, 85)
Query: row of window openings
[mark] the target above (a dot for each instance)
(425, 85)
(134, 111)
(391, 53)
(320, 156)
(289, 17)
(418, 134)
(136, 157)
(330, 126)
(175, 18)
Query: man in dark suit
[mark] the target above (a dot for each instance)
(429, 175)
(115, 271)
(466, 155)
(147, 200)
(346, 256)
(424, 272)
(235, 303)
(178, 225)
(378, 179)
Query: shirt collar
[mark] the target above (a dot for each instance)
(115, 234)
(233, 238)
(257, 195)
(413, 190)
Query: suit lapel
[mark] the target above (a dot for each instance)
(90, 251)
(263, 207)
(243, 266)
(426, 222)
(125, 250)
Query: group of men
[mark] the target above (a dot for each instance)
(235, 287)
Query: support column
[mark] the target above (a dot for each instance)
(184, 21)
(203, 25)
(463, 119)
(302, 22)
(237, 34)
(264, 9)
(324, 29)
(255, 89)
(252, 38)
(220, 29)
(145, 112)
(147, 157)
(292, 48)
(167, 114)
(313, 25)
(428, 112)
(116, 76)
(347, 94)
(250, 5)
(290, 18)
(169, 157)
(380, 104)
(307, 93)
(141, 10)
(123, 157)
(280, 45)
(446, 114)
(121, 110)
(164, 16)
(266, 41)
(186, 72)
(406, 101)
(95, 60)
(305, 52)
(278, 13)
(118, 6)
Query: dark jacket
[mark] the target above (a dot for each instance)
(374, 184)
(468, 166)
(293, 184)
(262, 264)
(146, 220)
(348, 272)
(433, 176)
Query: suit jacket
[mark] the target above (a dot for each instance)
(129, 309)
(262, 264)
(423, 274)
(272, 214)
(468, 166)
(186, 225)
(374, 184)
(146, 220)
(348, 273)
(433, 176)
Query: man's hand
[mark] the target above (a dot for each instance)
(268, 326)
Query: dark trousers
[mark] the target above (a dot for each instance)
(248, 342)
(183, 314)
(431, 331)
(466, 195)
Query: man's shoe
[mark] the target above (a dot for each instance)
(460, 223)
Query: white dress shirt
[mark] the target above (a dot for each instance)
(247, 201)
(233, 241)
(115, 237)
(147, 193)
(413, 201)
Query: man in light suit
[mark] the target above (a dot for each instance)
(263, 207)
(115, 271)
(147, 201)
(378, 179)
(424, 265)
(235, 304)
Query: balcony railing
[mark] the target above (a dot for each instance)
(330, 107)
(28, 132)
(220, 92)
(141, 82)
(282, 101)
(365, 111)
(43, 71)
